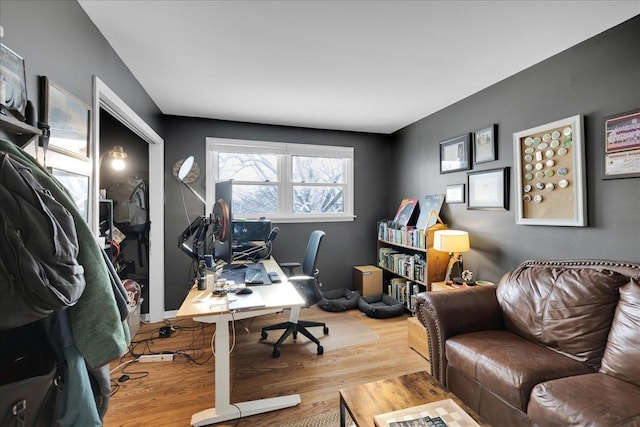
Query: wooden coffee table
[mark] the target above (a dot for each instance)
(365, 401)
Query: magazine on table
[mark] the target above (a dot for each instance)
(443, 413)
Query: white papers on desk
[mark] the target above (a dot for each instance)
(245, 301)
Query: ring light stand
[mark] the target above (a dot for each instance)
(199, 229)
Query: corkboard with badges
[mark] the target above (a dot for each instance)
(549, 163)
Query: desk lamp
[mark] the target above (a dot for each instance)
(453, 241)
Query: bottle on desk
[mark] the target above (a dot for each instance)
(202, 276)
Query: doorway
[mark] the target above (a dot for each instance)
(105, 99)
(124, 200)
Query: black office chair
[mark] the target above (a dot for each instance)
(308, 286)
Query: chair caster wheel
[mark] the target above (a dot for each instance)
(263, 336)
(325, 330)
(320, 350)
(276, 353)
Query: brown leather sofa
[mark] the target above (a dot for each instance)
(556, 343)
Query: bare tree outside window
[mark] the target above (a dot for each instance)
(285, 181)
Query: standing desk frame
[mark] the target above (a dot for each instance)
(202, 307)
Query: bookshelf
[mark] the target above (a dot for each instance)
(408, 260)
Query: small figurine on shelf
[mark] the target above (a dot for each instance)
(466, 279)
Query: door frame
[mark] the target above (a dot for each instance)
(105, 98)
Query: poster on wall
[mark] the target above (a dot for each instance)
(622, 145)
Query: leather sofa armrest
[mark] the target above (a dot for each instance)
(446, 314)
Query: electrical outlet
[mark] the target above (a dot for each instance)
(156, 358)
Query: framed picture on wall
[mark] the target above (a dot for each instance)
(68, 119)
(485, 145)
(455, 193)
(488, 189)
(13, 86)
(622, 145)
(455, 154)
(550, 174)
(78, 187)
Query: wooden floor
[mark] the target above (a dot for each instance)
(168, 393)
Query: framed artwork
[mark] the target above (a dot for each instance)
(550, 174)
(405, 212)
(67, 118)
(488, 189)
(622, 145)
(485, 144)
(454, 154)
(13, 86)
(78, 187)
(455, 193)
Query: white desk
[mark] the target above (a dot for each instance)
(201, 306)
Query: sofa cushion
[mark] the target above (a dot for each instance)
(622, 354)
(567, 309)
(508, 365)
(592, 399)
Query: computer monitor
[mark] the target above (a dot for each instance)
(247, 231)
(223, 248)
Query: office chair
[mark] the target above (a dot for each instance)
(308, 286)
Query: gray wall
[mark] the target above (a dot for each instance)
(58, 40)
(597, 78)
(346, 243)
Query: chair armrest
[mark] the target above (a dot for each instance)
(290, 266)
(446, 314)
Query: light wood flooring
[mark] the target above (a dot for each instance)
(168, 393)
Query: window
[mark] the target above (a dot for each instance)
(283, 182)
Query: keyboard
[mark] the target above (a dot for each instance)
(254, 276)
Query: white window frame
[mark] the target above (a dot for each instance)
(285, 186)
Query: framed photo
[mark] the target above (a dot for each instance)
(454, 154)
(622, 145)
(488, 189)
(550, 174)
(68, 119)
(78, 187)
(485, 144)
(13, 86)
(455, 193)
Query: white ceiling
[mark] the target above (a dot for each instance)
(372, 66)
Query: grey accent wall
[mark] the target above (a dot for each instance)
(597, 78)
(346, 244)
(58, 40)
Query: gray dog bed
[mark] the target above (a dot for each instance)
(339, 300)
(380, 306)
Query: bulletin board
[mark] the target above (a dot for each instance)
(550, 174)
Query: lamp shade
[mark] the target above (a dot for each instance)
(451, 241)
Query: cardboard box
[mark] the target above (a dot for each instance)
(417, 337)
(134, 318)
(367, 279)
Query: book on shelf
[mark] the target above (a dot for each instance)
(406, 212)
(403, 291)
(401, 235)
(431, 203)
(442, 413)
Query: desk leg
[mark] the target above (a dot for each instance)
(224, 410)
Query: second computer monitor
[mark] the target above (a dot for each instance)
(247, 231)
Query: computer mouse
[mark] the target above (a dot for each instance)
(244, 291)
